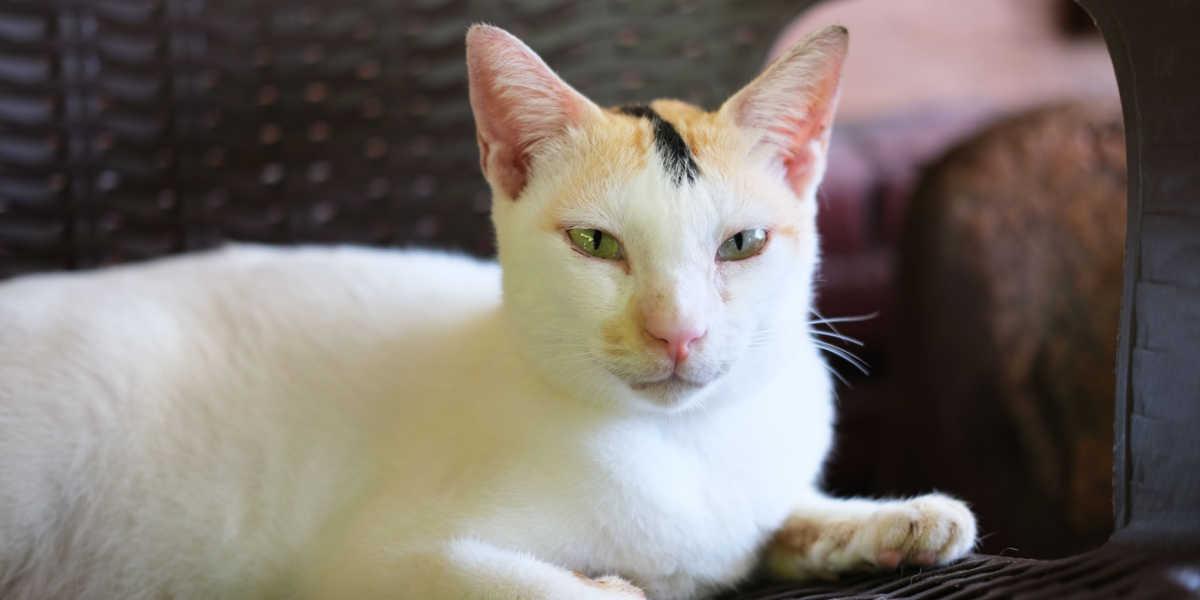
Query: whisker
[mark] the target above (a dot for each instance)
(839, 376)
(847, 319)
(842, 353)
(821, 320)
(845, 355)
(837, 335)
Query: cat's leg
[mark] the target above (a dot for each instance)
(463, 569)
(827, 536)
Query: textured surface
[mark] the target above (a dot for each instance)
(1110, 573)
(1157, 455)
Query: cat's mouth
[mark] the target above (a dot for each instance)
(670, 392)
(670, 383)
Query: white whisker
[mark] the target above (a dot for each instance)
(837, 335)
(842, 353)
(839, 376)
(847, 319)
(845, 355)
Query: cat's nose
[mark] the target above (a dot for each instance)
(676, 340)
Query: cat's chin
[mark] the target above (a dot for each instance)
(670, 393)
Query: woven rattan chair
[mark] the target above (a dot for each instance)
(136, 128)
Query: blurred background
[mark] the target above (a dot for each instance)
(974, 205)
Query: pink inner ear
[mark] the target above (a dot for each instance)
(805, 131)
(793, 103)
(502, 147)
(791, 138)
(502, 164)
(501, 155)
(797, 155)
(518, 103)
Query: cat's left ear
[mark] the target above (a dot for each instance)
(519, 105)
(788, 110)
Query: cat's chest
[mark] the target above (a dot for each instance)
(660, 504)
(703, 488)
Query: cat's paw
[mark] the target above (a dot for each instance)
(928, 530)
(925, 531)
(620, 588)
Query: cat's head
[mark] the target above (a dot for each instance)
(654, 252)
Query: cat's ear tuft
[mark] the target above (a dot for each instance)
(788, 110)
(519, 104)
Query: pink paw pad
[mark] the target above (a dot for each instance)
(889, 558)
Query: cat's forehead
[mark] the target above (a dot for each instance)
(678, 141)
(682, 136)
(638, 158)
(672, 150)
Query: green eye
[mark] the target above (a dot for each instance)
(596, 243)
(743, 245)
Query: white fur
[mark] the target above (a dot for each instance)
(222, 425)
(353, 423)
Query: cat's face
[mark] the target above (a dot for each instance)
(650, 251)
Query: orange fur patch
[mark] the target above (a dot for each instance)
(798, 536)
(609, 147)
(790, 231)
(611, 332)
(615, 332)
(715, 143)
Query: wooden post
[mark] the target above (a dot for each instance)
(1156, 484)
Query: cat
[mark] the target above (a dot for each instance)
(628, 405)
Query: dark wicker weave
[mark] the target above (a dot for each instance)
(135, 128)
(1103, 574)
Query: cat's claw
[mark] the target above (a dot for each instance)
(925, 531)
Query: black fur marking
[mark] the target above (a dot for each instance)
(676, 156)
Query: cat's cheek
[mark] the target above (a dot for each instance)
(613, 334)
(732, 276)
(724, 290)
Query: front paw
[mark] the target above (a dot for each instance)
(925, 531)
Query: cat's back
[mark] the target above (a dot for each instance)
(242, 307)
(153, 403)
(241, 283)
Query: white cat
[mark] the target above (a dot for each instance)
(633, 392)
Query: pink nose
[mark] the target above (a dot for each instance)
(678, 340)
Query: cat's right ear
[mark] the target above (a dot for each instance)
(519, 104)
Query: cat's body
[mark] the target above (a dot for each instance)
(296, 416)
(349, 423)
